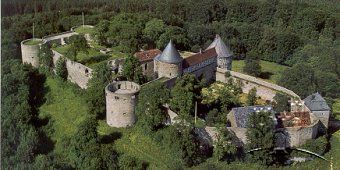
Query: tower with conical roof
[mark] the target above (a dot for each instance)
(169, 62)
(224, 54)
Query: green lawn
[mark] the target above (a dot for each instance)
(270, 71)
(138, 145)
(84, 30)
(336, 109)
(91, 59)
(65, 108)
(33, 42)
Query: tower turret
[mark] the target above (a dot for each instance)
(169, 62)
(224, 54)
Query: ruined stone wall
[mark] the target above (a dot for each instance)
(265, 90)
(77, 73)
(121, 99)
(167, 70)
(147, 68)
(30, 53)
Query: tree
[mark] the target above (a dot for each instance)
(150, 103)
(78, 44)
(132, 70)
(60, 69)
(183, 96)
(129, 162)
(251, 97)
(176, 34)
(260, 134)
(153, 29)
(96, 89)
(223, 146)
(281, 102)
(46, 56)
(252, 64)
(300, 78)
(189, 146)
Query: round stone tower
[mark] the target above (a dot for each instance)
(121, 99)
(224, 54)
(169, 62)
(30, 50)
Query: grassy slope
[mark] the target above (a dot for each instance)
(68, 108)
(65, 108)
(268, 68)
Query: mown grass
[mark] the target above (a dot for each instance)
(270, 71)
(84, 30)
(32, 42)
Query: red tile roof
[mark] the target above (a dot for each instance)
(291, 119)
(199, 57)
(147, 55)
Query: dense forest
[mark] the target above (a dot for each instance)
(300, 34)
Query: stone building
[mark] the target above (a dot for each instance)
(121, 99)
(146, 60)
(316, 104)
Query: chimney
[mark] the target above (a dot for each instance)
(200, 50)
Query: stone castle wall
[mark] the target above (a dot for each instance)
(30, 53)
(121, 99)
(77, 73)
(299, 135)
(207, 72)
(265, 89)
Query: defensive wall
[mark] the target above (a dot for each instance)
(121, 99)
(77, 72)
(265, 90)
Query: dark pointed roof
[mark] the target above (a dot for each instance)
(221, 49)
(316, 102)
(170, 54)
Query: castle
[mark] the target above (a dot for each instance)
(298, 125)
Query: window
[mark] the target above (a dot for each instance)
(145, 66)
(116, 97)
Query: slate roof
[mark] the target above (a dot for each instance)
(316, 102)
(241, 114)
(221, 49)
(147, 55)
(199, 57)
(170, 54)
